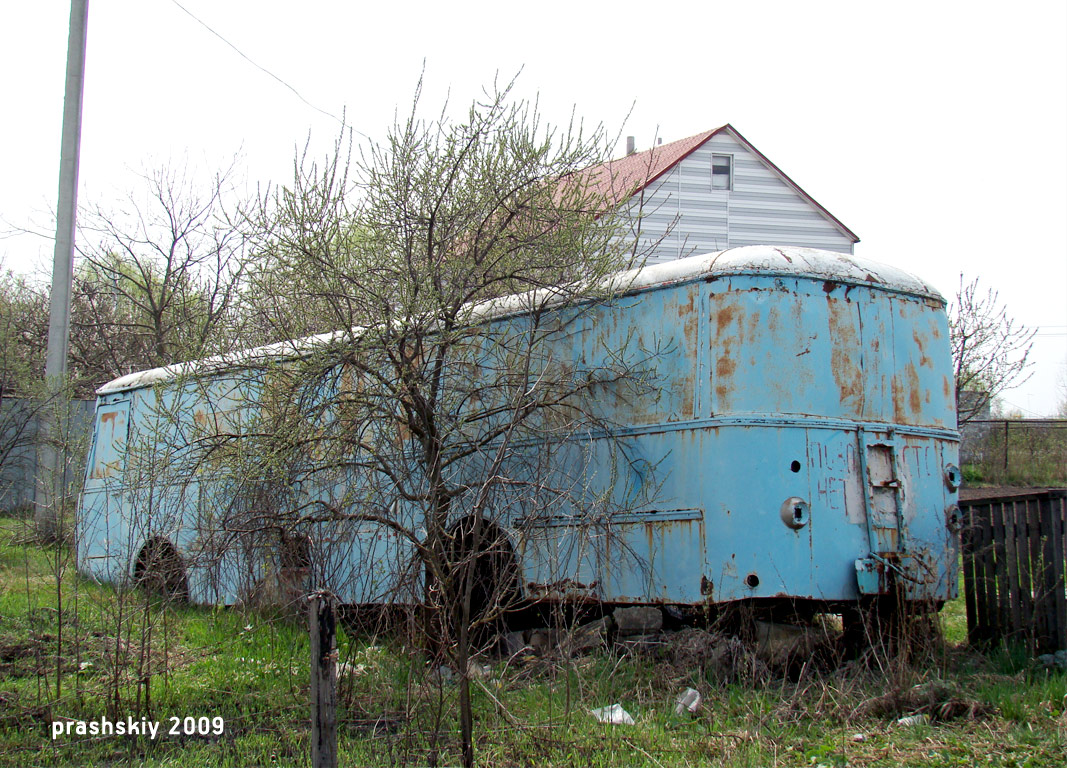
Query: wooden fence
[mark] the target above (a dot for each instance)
(1013, 569)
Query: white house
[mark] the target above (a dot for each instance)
(714, 191)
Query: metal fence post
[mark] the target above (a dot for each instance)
(1005, 448)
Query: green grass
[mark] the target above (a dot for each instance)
(252, 670)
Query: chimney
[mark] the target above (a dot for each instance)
(631, 146)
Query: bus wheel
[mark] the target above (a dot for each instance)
(160, 570)
(481, 552)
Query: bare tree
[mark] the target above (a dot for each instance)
(990, 350)
(159, 279)
(457, 261)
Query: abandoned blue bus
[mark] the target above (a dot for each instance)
(803, 438)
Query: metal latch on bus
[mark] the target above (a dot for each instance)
(871, 573)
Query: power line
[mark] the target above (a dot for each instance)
(266, 71)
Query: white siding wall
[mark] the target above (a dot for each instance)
(761, 209)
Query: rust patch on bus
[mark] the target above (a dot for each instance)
(724, 371)
(725, 316)
(907, 396)
(845, 356)
(686, 308)
(725, 367)
(914, 394)
(898, 399)
(685, 388)
(755, 321)
(924, 360)
(729, 335)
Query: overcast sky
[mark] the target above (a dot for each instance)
(935, 131)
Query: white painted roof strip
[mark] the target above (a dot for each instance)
(787, 262)
(771, 261)
(281, 350)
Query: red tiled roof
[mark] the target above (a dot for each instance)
(619, 180)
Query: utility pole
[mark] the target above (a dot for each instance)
(51, 464)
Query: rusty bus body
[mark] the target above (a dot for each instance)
(803, 440)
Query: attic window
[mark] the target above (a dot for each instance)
(722, 172)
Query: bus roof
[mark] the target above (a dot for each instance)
(759, 260)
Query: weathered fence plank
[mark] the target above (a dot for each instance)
(1058, 609)
(988, 613)
(1061, 560)
(1038, 571)
(1011, 552)
(1026, 579)
(1001, 595)
(968, 541)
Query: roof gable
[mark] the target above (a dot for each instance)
(619, 180)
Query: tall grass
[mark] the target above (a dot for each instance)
(125, 654)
